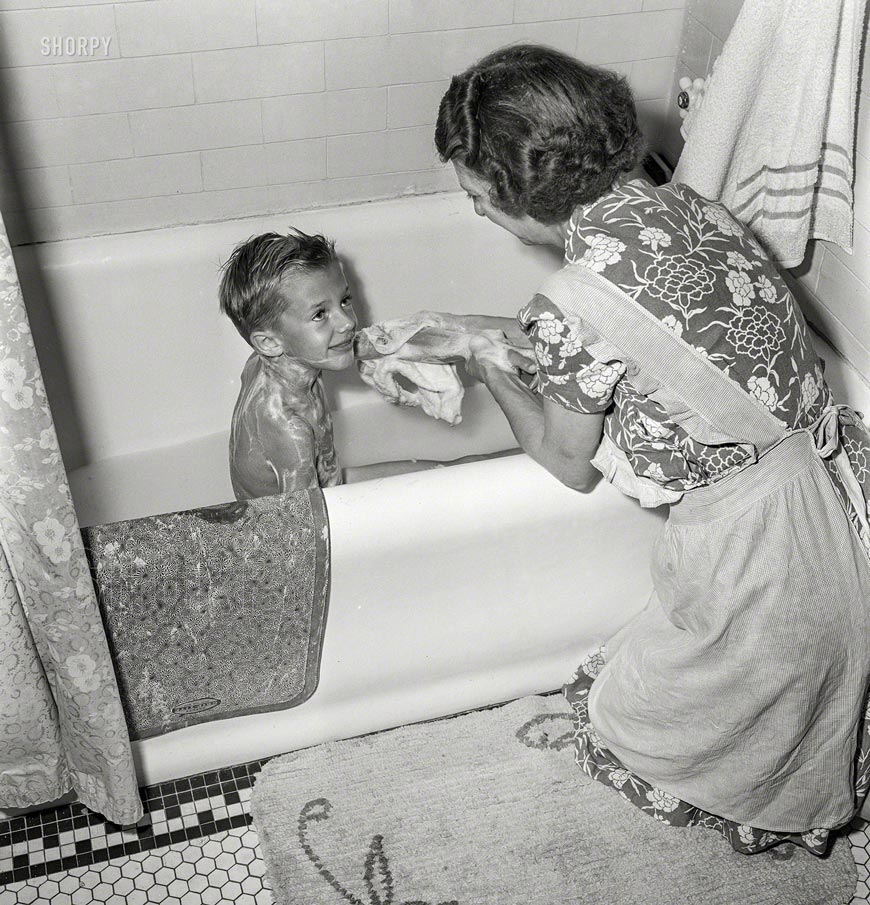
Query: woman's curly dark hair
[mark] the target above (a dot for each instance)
(545, 130)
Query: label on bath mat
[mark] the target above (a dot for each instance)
(199, 706)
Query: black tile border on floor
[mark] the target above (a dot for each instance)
(162, 803)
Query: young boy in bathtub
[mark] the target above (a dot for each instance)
(289, 298)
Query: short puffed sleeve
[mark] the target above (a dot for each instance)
(567, 373)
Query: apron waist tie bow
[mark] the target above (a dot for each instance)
(825, 429)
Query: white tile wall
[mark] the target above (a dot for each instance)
(437, 15)
(271, 164)
(116, 86)
(179, 26)
(28, 93)
(464, 46)
(541, 10)
(650, 79)
(22, 33)
(43, 187)
(356, 110)
(205, 109)
(833, 285)
(368, 153)
(706, 25)
(696, 47)
(717, 15)
(632, 36)
(136, 177)
(280, 21)
(296, 116)
(80, 139)
(664, 4)
(47, 4)
(196, 127)
(414, 105)
(384, 60)
(247, 72)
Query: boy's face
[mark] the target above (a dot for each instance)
(318, 323)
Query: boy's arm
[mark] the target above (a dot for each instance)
(289, 450)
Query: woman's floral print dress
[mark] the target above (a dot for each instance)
(705, 279)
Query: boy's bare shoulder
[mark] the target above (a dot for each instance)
(263, 402)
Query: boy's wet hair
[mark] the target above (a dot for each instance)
(251, 294)
(545, 130)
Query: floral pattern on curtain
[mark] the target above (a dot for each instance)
(62, 726)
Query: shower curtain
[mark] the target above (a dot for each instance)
(62, 726)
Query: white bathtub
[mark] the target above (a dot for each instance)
(451, 589)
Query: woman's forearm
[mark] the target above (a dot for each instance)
(475, 323)
(567, 460)
(445, 339)
(521, 406)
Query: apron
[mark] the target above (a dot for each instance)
(741, 687)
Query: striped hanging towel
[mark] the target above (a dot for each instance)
(774, 137)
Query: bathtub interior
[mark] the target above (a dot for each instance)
(137, 358)
(195, 473)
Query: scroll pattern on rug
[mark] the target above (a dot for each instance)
(377, 876)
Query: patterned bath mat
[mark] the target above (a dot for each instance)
(215, 612)
(490, 809)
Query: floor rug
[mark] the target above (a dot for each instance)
(489, 807)
(215, 612)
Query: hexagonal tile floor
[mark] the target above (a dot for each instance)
(860, 839)
(223, 868)
(195, 844)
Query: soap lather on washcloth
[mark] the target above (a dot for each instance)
(421, 350)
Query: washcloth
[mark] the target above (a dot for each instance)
(436, 387)
(774, 137)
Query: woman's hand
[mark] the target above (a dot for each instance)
(490, 349)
